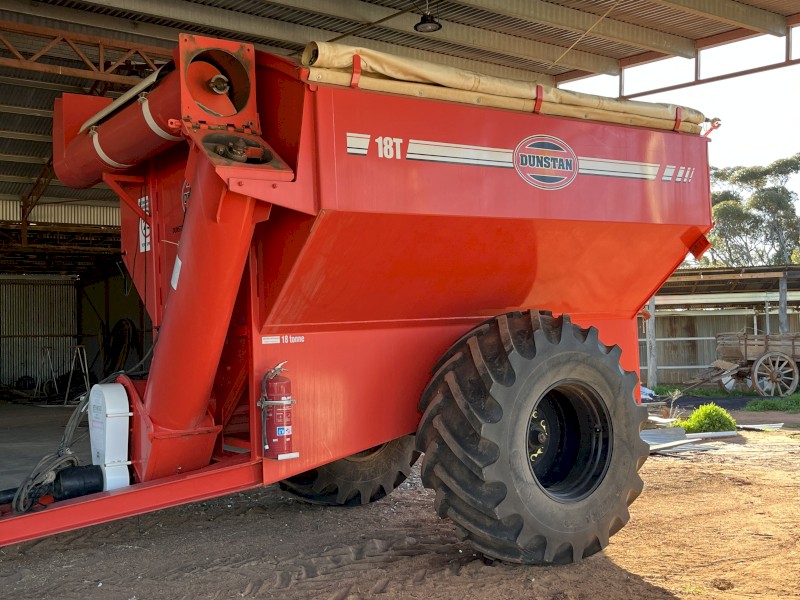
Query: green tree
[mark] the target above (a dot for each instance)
(755, 222)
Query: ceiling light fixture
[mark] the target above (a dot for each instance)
(427, 23)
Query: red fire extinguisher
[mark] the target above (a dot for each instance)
(276, 414)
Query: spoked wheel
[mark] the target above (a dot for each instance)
(358, 479)
(531, 439)
(775, 374)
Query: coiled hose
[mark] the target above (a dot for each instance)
(39, 482)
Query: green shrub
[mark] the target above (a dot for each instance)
(708, 417)
(790, 404)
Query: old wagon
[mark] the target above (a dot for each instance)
(765, 363)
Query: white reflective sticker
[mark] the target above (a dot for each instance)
(271, 339)
(144, 228)
(176, 273)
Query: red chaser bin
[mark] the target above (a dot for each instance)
(276, 414)
(444, 276)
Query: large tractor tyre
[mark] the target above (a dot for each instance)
(358, 479)
(531, 439)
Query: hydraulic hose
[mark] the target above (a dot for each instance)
(41, 478)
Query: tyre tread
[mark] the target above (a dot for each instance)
(458, 405)
(332, 484)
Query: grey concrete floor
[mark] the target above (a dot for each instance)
(27, 433)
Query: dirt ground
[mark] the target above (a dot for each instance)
(717, 524)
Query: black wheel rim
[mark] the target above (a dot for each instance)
(569, 441)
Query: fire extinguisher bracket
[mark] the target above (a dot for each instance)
(276, 414)
(262, 403)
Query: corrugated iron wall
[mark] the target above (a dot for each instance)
(75, 214)
(686, 345)
(40, 313)
(36, 314)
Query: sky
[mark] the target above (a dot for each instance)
(760, 113)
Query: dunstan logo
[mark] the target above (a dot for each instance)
(545, 162)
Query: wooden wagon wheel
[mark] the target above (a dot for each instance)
(775, 374)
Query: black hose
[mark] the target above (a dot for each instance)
(6, 496)
(119, 345)
(40, 481)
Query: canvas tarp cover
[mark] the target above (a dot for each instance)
(333, 64)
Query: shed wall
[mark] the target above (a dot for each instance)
(686, 343)
(36, 314)
(69, 214)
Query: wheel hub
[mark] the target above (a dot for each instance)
(537, 438)
(569, 441)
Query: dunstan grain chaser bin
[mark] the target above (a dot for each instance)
(449, 264)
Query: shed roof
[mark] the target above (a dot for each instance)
(730, 287)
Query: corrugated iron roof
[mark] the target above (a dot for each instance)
(654, 16)
(695, 286)
(28, 124)
(58, 193)
(25, 148)
(19, 169)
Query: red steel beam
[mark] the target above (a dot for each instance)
(31, 199)
(73, 72)
(727, 37)
(95, 70)
(213, 481)
(85, 39)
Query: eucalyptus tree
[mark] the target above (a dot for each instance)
(754, 213)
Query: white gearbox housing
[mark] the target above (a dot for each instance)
(109, 422)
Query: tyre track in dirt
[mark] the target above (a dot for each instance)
(707, 521)
(239, 523)
(262, 544)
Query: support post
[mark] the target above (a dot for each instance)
(652, 351)
(766, 317)
(783, 317)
